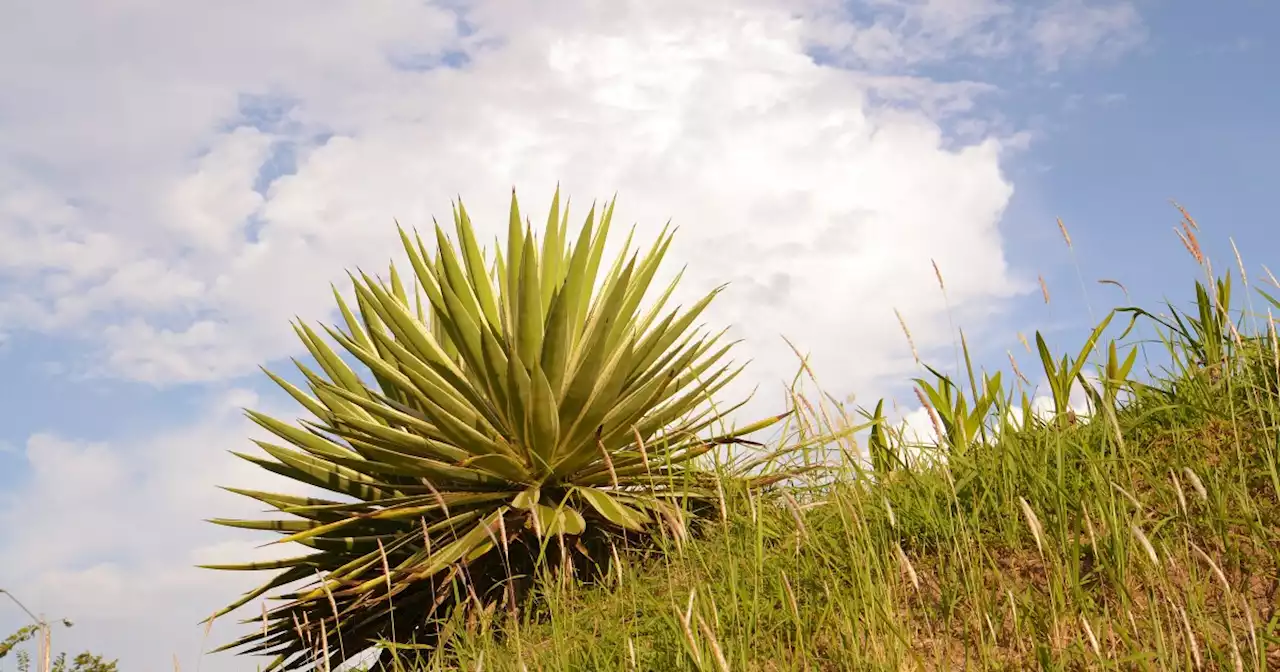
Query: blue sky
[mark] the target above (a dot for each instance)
(1194, 125)
(170, 199)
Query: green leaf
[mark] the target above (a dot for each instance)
(527, 498)
(579, 282)
(612, 510)
(515, 248)
(1270, 299)
(552, 253)
(553, 521)
(454, 281)
(333, 366)
(300, 438)
(476, 274)
(530, 317)
(586, 374)
(305, 560)
(283, 578)
(544, 419)
(556, 343)
(330, 476)
(309, 403)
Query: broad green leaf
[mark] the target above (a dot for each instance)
(552, 521)
(454, 279)
(476, 273)
(530, 319)
(397, 287)
(552, 253)
(612, 510)
(515, 248)
(520, 389)
(638, 286)
(604, 394)
(585, 375)
(557, 343)
(580, 280)
(544, 420)
(375, 333)
(645, 324)
(527, 498)
(504, 291)
(658, 343)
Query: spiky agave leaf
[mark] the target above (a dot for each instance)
(532, 402)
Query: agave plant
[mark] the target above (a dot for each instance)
(526, 407)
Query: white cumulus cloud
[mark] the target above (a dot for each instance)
(179, 179)
(109, 536)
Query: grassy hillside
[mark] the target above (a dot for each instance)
(1143, 534)
(1140, 531)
